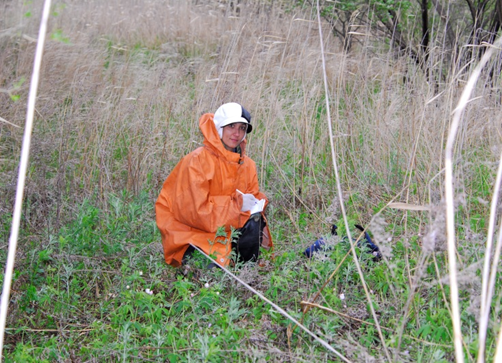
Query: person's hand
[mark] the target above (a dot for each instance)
(250, 203)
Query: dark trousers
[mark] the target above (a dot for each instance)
(247, 244)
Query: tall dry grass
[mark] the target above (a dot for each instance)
(124, 83)
(136, 76)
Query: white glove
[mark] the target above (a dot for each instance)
(250, 203)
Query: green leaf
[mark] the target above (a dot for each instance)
(220, 232)
(58, 36)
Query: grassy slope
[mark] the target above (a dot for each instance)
(122, 89)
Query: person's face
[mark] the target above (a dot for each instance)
(233, 134)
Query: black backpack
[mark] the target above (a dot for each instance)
(247, 246)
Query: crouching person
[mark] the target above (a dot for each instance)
(214, 189)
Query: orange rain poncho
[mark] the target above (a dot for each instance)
(200, 195)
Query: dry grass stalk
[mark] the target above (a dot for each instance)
(339, 187)
(23, 166)
(489, 273)
(450, 209)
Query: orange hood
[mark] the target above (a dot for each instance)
(213, 142)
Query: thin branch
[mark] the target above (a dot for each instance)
(472, 10)
(444, 17)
